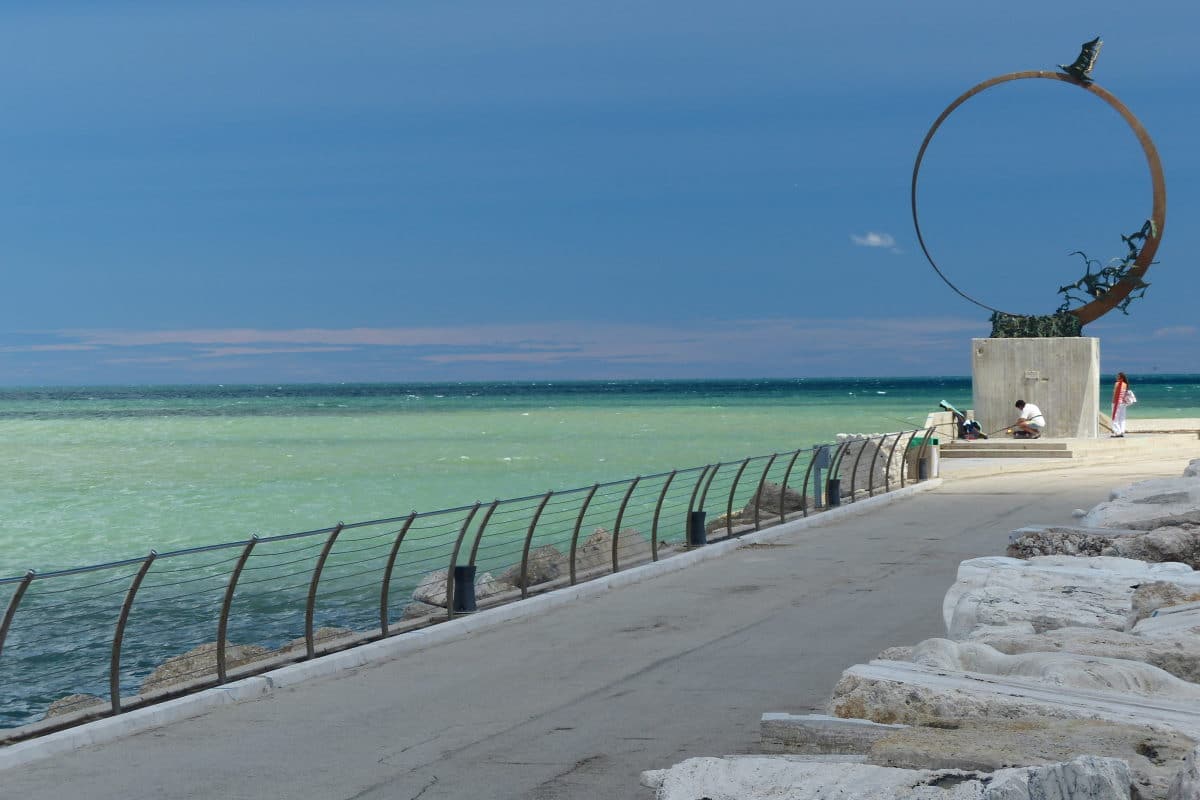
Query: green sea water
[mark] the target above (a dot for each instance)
(93, 474)
(101, 475)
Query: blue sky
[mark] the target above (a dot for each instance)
(266, 192)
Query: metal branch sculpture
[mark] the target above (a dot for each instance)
(1098, 281)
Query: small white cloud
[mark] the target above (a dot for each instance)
(873, 239)
(1176, 332)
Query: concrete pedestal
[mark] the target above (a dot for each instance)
(1061, 376)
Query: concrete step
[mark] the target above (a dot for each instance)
(1010, 444)
(1003, 452)
(1009, 448)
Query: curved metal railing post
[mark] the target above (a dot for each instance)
(479, 533)
(587, 501)
(904, 458)
(617, 527)
(226, 604)
(529, 540)
(729, 505)
(921, 453)
(787, 473)
(385, 589)
(708, 485)
(874, 461)
(762, 481)
(816, 451)
(687, 521)
(887, 469)
(854, 467)
(658, 511)
(462, 532)
(835, 469)
(114, 674)
(310, 646)
(13, 602)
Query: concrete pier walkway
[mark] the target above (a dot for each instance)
(576, 702)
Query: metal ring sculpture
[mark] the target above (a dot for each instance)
(1109, 300)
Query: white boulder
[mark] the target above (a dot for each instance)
(1051, 591)
(1186, 785)
(1154, 503)
(1068, 670)
(915, 694)
(431, 591)
(1171, 622)
(1176, 654)
(763, 777)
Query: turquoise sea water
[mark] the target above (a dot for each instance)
(97, 474)
(100, 475)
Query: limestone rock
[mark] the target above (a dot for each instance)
(771, 498)
(416, 609)
(1178, 655)
(595, 552)
(752, 778)
(321, 636)
(1162, 544)
(1171, 622)
(487, 586)
(864, 463)
(763, 777)
(200, 662)
(1169, 543)
(1186, 785)
(1154, 503)
(898, 653)
(1149, 597)
(1052, 540)
(1051, 591)
(72, 703)
(819, 734)
(1083, 777)
(1154, 757)
(546, 563)
(1069, 670)
(432, 588)
(915, 694)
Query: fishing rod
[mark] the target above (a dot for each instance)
(898, 419)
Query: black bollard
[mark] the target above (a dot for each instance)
(833, 492)
(464, 589)
(696, 534)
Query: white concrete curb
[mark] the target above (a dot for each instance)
(143, 719)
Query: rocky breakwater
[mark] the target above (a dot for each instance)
(1080, 672)
(1153, 520)
(547, 567)
(869, 464)
(769, 505)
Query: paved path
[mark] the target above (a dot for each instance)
(575, 703)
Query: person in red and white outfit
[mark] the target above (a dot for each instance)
(1120, 401)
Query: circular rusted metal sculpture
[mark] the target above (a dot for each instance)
(1092, 311)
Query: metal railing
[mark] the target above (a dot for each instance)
(105, 639)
